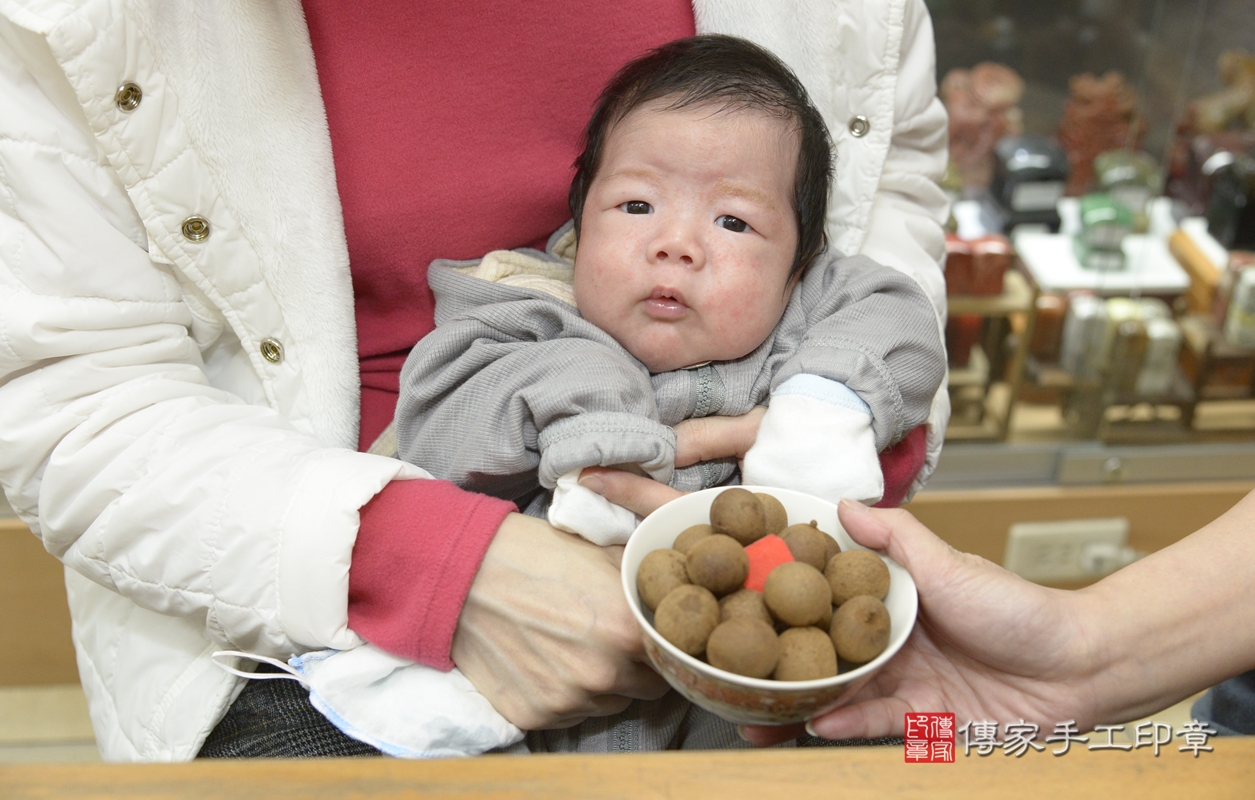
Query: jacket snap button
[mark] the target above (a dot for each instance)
(195, 228)
(271, 350)
(859, 126)
(128, 96)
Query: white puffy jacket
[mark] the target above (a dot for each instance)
(178, 366)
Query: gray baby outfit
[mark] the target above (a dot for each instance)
(514, 388)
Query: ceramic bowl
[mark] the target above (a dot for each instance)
(749, 700)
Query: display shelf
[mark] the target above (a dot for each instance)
(970, 385)
(1018, 295)
(975, 373)
(1215, 368)
(1084, 403)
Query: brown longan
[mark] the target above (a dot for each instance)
(857, 572)
(775, 516)
(744, 646)
(860, 629)
(659, 573)
(833, 547)
(718, 563)
(797, 594)
(806, 654)
(686, 616)
(744, 603)
(807, 544)
(691, 536)
(736, 512)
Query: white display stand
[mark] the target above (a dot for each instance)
(1150, 268)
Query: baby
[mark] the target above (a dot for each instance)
(693, 280)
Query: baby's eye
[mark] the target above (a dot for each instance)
(732, 223)
(637, 207)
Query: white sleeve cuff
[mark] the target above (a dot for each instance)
(816, 437)
(831, 392)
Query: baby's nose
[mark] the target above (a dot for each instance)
(679, 246)
(684, 258)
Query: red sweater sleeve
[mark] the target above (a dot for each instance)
(419, 546)
(900, 464)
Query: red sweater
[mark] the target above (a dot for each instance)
(453, 127)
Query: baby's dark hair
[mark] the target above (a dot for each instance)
(733, 73)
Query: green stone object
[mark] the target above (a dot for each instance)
(1132, 178)
(1104, 224)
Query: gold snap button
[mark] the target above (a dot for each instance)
(859, 126)
(128, 96)
(195, 229)
(271, 350)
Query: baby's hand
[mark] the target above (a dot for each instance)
(576, 509)
(817, 438)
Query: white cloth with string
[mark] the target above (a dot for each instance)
(401, 708)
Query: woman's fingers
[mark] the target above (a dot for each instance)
(894, 531)
(709, 438)
(870, 719)
(702, 439)
(638, 494)
(766, 736)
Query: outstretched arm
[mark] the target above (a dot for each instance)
(991, 645)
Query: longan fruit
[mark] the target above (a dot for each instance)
(686, 616)
(718, 563)
(860, 629)
(744, 646)
(833, 547)
(806, 654)
(738, 513)
(857, 572)
(691, 536)
(826, 622)
(797, 594)
(774, 515)
(659, 573)
(744, 603)
(807, 544)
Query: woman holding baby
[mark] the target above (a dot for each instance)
(216, 223)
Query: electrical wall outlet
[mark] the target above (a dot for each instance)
(1068, 550)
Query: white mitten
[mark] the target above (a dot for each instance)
(816, 437)
(575, 509)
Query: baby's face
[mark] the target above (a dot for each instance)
(688, 234)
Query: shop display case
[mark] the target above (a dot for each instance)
(1112, 144)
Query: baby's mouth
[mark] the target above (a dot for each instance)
(665, 303)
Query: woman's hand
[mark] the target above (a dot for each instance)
(546, 634)
(701, 439)
(988, 645)
(708, 438)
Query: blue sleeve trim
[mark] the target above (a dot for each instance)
(834, 392)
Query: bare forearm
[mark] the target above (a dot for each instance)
(1177, 621)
